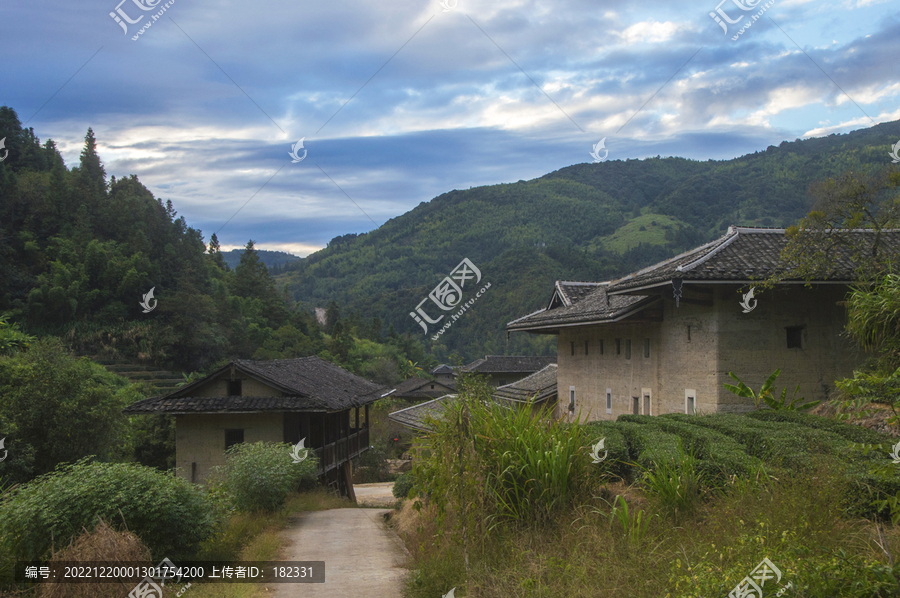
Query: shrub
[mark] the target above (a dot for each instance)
(720, 456)
(647, 445)
(168, 514)
(403, 484)
(674, 483)
(852, 433)
(617, 461)
(259, 476)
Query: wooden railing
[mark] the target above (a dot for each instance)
(344, 449)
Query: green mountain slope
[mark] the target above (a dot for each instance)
(582, 222)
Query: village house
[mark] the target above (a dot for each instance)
(537, 390)
(283, 400)
(506, 369)
(663, 339)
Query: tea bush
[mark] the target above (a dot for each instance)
(617, 460)
(169, 515)
(259, 476)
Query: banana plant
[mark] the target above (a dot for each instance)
(766, 396)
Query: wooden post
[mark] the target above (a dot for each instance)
(347, 474)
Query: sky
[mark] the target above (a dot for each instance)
(398, 102)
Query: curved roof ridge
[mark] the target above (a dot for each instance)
(730, 237)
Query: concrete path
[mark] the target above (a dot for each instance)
(363, 558)
(380, 494)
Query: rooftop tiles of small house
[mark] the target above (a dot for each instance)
(414, 417)
(491, 364)
(540, 385)
(308, 384)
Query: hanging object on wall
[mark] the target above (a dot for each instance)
(676, 284)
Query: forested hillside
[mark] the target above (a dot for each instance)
(79, 253)
(583, 222)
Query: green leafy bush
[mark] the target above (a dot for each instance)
(647, 444)
(168, 514)
(259, 476)
(719, 455)
(852, 433)
(403, 484)
(617, 460)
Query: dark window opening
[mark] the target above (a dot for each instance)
(572, 399)
(646, 347)
(794, 337)
(618, 346)
(193, 473)
(585, 347)
(234, 388)
(689, 334)
(432, 387)
(573, 347)
(647, 405)
(627, 348)
(690, 405)
(636, 405)
(233, 437)
(601, 346)
(608, 402)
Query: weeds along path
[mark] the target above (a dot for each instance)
(362, 556)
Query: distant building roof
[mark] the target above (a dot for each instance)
(420, 388)
(308, 384)
(502, 364)
(414, 417)
(539, 386)
(741, 256)
(442, 369)
(746, 254)
(593, 306)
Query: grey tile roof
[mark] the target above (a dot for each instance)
(540, 385)
(414, 417)
(501, 364)
(308, 384)
(594, 306)
(572, 292)
(420, 388)
(741, 255)
(442, 369)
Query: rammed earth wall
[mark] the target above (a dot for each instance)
(694, 346)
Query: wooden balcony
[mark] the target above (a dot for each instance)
(333, 455)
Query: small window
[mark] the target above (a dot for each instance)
(609, 400)
(573, 347)
(234, 388)
(585, 347)
(646, 347)
(690, 406)
(233, 437)
(689, 334)
(647, 403)
(601, 346)
(432, 387)
(794, 337)
(571, 398)
(193, 473)
(636, 405)
(627, 348)
(618, 346)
